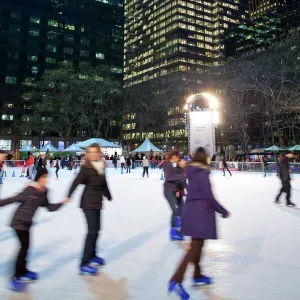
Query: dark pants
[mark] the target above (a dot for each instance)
(286, 188)
(122, 166)
(128, 169)
(173, 202)
(192, 256)
(20, 269)
(226, 167)
(93, 224)
(180, 203)
(116, 165)
(146, 170)
(56, 172)
(4, 174)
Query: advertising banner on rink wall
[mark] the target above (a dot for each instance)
(232, 166)
(201, 131)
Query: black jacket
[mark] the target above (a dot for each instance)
(95, 187)
(284, 169)
(128, 162)
(30, 200)
(224, 162)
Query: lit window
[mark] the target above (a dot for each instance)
(9, 105)
(50, 60)
(68, 50)
(34, 32)
(15, 28)
(7, 117)
(84, 53)
(13, 55)
(100, 55)
(52, 35)
(51, 48)
(35, 19)
(68, 63)
(85, 41)
(10, 79)
(16, 15)
(69, 26)
(116, 70)
(53, 23)
(69, 38)
(29, 81)
(32, 57)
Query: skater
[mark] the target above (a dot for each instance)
(23, 172)
(180, 186)
(30, 165)
(171, 181)
(33, 197)
(225, 166)
(122, 161)
(57, 168)
(145, 165)
(198, 222)
(277, 166)
(115, 162)
(92, 175)
(4, 170)
(284, 175)
(265, 165)
(128, 164)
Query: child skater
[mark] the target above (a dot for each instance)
(198, 221)
(23, 172)
(33, 197)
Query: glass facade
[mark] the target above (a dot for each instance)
(36, 35)
(163, 37)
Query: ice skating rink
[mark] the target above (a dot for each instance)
(256, 257)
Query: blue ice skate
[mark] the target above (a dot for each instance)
(29, 276)
(178, 222)
(97, 261)
(175, 235)
(17, 286)
(203, 280)
(176, 289)
(88, 270)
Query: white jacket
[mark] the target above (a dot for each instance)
(122, 159)
(145, 162)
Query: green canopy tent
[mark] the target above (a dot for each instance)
(274, 149)
(295, 148)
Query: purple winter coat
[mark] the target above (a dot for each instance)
(199, 219)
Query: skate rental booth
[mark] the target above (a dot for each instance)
(201, 123)
(147, 147)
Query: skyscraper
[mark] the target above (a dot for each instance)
(163, 37)
(36, 35)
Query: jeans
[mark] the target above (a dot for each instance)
(227, 170)
(24, 238)
(146, 170)
(172, 200)
(30, 168)
(122, 166)
(286, 188)
(4, 174)
(128, 169)
(192, 256)
(93, 224)
(56, 172)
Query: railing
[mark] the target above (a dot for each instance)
(215, 165)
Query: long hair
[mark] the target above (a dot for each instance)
(95, 146)
(200, 156)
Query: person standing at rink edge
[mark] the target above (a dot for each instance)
(198, 222)
(284, 175)
(92, 175)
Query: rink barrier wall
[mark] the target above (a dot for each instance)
(215, 166)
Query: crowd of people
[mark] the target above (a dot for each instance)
(187, 190)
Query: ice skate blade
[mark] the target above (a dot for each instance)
(88, 274)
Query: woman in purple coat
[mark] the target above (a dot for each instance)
(198, 221)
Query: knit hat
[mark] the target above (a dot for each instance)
(40, 172)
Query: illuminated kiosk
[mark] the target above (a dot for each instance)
(201, 123)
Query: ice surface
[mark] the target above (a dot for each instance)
(256, 257)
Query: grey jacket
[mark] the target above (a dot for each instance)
(30, 200)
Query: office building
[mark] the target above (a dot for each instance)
(36, 35)
(164, 37)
